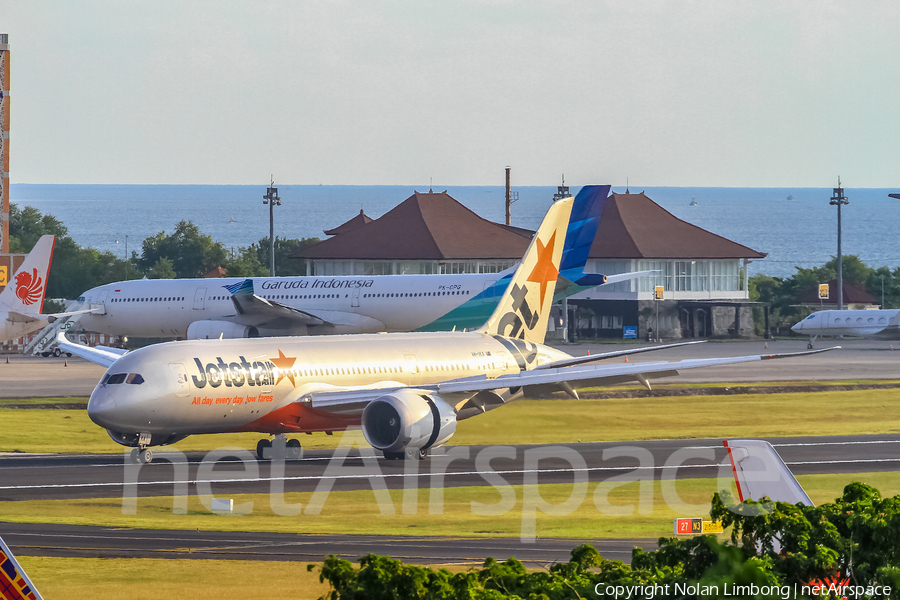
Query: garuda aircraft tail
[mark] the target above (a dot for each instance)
(524, 309)
(24, 294)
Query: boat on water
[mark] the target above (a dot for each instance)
(693, 201)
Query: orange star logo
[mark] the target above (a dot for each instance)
(544, 271)
(284, 364)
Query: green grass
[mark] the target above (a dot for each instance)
(542, 422)
(154, 578)
(26, 401)
(410, 512)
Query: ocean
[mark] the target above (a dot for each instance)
(795, 227)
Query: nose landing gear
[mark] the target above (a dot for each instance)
(142, 454)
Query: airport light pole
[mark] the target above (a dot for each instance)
(271, 198)
(838, 199)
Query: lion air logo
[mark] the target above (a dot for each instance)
(29, 287)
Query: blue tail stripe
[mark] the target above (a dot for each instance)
(244, 287)
(583, 225)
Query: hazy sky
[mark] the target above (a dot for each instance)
(762, 93)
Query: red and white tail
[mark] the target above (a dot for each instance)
(760, 473)
(24, 293)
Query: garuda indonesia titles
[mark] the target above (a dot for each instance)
(406, 391)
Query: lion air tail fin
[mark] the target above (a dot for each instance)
(24, 291)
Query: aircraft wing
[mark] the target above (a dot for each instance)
(760, 473)
(578, 360)
(535, 382)
(256, 311)
(100, 355)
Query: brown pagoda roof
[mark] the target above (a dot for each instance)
(634, 226)
(354, 223)
(427, 226)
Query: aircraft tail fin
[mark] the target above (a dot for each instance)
(24, 293)
(14, 583)
(759, 472)
(583, 223)
(524, 308)
(243, 288)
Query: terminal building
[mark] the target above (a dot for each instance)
(704, 276)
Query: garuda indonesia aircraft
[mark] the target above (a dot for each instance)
(272, 306)
(22, 300)
(405, 390)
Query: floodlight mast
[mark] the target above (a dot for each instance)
(271, 198)
(838, 199)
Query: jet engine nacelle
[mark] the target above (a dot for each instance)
(408, 420)
(131, 439)
(213, 330)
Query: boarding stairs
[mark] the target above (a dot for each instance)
(45, 339)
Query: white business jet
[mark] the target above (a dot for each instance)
(876, 324)
(406, 391)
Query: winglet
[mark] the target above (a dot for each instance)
(14, 583)
(25, 291)
(524, 308)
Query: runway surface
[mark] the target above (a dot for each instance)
(30, 377)
(101, 542)
(92, 476)
(26, 477)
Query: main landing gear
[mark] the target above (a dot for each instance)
(279, 448)
(407, 454)
(141, 456)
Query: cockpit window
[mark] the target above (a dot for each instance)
(117, 378)
(134, 379)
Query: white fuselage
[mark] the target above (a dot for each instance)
(881, 324)
(166, 308)
(213, 386)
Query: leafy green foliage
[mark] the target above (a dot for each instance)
(192, 254)
(856, 538)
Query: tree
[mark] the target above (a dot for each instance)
(284, 248)
(162, 269)
(191, 253)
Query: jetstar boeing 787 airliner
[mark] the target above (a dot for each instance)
(405, 390)
(271, 306)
